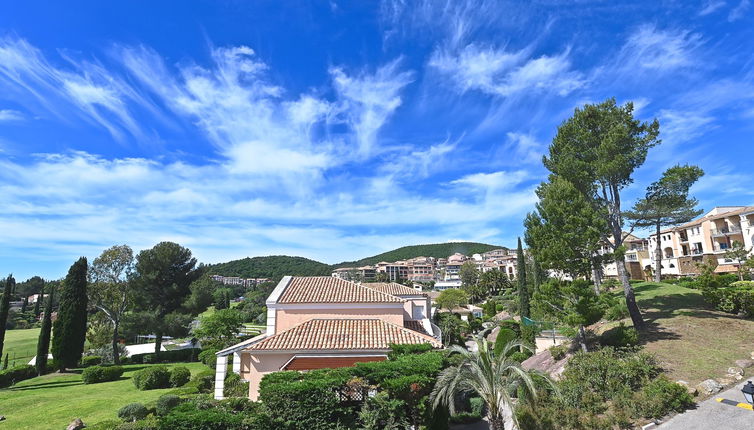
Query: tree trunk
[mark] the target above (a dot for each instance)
(157, 341)
(596, 277)
(658, 256)
(116, 355)
(582, 336)
(496, 422)
(628, 291)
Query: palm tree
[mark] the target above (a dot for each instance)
(493, 378)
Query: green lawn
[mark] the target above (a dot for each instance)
(20, 345)
(53, 401)
(691, 341)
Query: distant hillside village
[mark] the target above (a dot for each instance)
(441, 273)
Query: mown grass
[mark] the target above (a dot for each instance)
(53, 401)
(692, 341)
(20, 345)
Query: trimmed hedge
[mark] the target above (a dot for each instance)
(188, 417)
(179, 376)
(166, 403)
(15, 374)
(133, 412)
(152, 378)
(208, 357)
(91, 360)
(734, 299)
(96, 374)
(173, 356)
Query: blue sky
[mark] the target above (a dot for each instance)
(337, 130)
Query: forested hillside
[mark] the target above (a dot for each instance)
(437, 250)
(274, 266)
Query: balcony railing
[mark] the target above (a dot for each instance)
(725, 231)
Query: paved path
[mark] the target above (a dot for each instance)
(711, 415)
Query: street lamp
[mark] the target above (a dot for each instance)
(748, 391)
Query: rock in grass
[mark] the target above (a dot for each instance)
(76, 424)
(744, 364)
(710, 386)
(691, 390)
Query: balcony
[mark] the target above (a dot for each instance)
(726, 231)
(683, 238)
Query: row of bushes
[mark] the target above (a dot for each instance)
(173, 356)
(735, 299)
(157, 377)
(606, 388)
(97, 374)
(15, 374)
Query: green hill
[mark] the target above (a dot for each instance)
(274, 267)
(437, 250)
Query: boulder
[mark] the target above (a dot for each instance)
(736, 372)
(76, 424)
(744, 364)
(727, 380)
(2, 417)
(710, 386)
(691, 390)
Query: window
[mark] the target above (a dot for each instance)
(672, 266)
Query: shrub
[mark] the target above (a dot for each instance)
(559, 352)
(202, 381)
(166, 403)
(235, 386)
(396, 350)
(91, 360)
(615, 309)
(743, 284)
(520, 356)
(477, 406)
(731, 299)
(208, 357)
(660, 397)
(464, 418)
(15, 374)
(504, 336)
(620, 336)
(152, 378)
(188, 416)
(150, 423)
(104, 425)
(179, 376)
(97, 374)
(133, 412)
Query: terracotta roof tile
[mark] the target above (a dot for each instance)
(327, 289)
(393, 289)
(342, 334)
(415, 326)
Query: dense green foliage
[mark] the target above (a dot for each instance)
(91, 360)
(219, 328)
(436, 250)
(132, 412)
(166, 403)
(179, 376)
(603, 389)
(43, 342)
(152, 378)
(8, 285)
(10, 376)
(208, 357)
(735, 299)
(273, 267)
(69, 330)
(96, 374)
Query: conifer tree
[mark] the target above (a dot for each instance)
(43, 344)
(69, 330)
(40, 297)
(523, 292)
(5, 308)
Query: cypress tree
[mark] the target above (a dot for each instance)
(5, 308)
(40, 297)
(523, 291)
(69, 330)
(43, 344)
(25, 304)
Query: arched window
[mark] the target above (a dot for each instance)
(668, 252)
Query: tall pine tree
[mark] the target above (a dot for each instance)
(37, 304)
(69, 331)
(523, 291)
(5, 308)
(43, 344)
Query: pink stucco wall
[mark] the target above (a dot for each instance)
(254, 367)
(287, 318)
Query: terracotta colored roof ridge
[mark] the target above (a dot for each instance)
(328, 289)
(393, 288)
(342, 334)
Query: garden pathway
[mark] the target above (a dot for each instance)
(710, 414)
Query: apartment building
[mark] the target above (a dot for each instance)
(705, 239)
(637, 259)
(317, 322)
(356, 274)
(236, 280)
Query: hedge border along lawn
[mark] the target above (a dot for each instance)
(52, 401)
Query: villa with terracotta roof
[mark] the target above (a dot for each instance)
(317, 322)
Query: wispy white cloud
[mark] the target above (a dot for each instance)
(739, 11)
(86, 90)
(503, 73)
(711, 6)
(494, 181)
(659, 51)
(11, 115)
